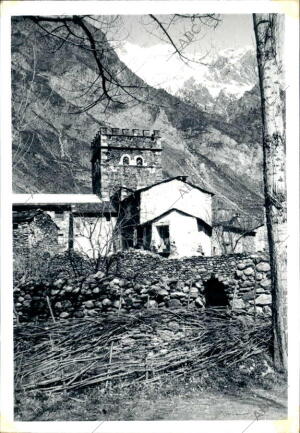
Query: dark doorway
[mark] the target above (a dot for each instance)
(164, 235)
(215, 294)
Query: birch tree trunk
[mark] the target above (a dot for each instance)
(268, 39)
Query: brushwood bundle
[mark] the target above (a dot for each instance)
(152, 345)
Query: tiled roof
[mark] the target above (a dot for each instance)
(172, 210)
(25, 216)
(99, 207)
(93, 208)
(239, 224)
(180, 178)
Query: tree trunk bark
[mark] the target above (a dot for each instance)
(266, 29)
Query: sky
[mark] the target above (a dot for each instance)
(233, 31)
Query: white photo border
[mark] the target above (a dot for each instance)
(289, 8)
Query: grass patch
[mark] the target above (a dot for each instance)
(203, 397)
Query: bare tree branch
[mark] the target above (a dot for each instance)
(79, 32)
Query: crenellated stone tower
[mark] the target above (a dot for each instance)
(125, 158)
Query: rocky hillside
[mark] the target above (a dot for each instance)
(51, 136)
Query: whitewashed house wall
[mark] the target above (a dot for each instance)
(187, 236)
(261, 238)
(62, 220)
(162, 197)
(94, 236)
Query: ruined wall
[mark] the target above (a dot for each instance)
(39, 233)
(143, 280)
(34, 241)
(108, 150)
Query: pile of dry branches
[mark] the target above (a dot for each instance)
(150, 345)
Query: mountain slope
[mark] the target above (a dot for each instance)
(51, 144)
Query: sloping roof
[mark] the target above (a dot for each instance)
(99, 207)
(93, 208)
(27, 216)
(180, 178)
(171, 210)
(241, 224)
(54, 198)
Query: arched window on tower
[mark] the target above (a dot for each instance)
(139, 161)
(125, 160)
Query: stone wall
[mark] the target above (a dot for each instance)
(139, 280)
(38, 232)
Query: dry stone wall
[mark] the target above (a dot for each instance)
(139, 280)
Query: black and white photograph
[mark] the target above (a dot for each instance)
(149, 216)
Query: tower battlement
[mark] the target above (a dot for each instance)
(128, 138)
(128, 158)
(128, 132)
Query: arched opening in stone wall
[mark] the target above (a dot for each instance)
(215, 294)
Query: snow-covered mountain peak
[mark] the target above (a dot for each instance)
(231, 71)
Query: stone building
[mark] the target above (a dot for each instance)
(171, 217)
(125, 158)
(132, 206)
(83, 224)
(238, 234)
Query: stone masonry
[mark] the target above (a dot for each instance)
(138, 280)
(141, 166)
